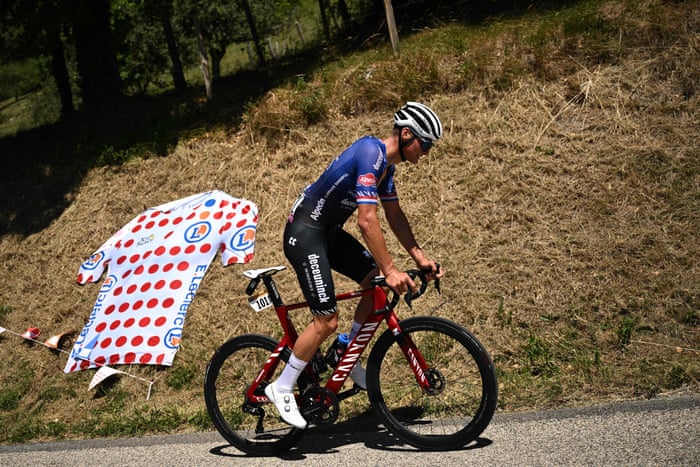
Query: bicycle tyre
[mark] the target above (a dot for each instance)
(231, 369)
(452, 416)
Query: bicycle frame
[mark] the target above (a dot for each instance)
(381, 312)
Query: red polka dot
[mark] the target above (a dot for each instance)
(84, 364)
(226, 227)
(145, 286)
(160, 251)
(155, 214)
(161, 321)
(129, 357)
(110, 309)
(152, 269)
(101, 327)
(176, 284)
(183, 265)
(118, 291)
(160, 358)
(192, 214)
(134, 259)
(126, 274)
(168, 267)
(205, 248)
(145, 358)
(139, 270)
(168, 302)
(137, 305)
(153, 341)
(141, 218)
(174, 251)
(152, 303)
(218, 215)
(123, 307)
(149, 225)
(190, 249)
(159, 285)
(121, 259)
(114, 358)
(136, 229)
(145, 321)
(106, 342)
(128, 243)
(163, 222)
(147, 254)
(100, 361)
(131, 289)
(121, 340)
(177, 220)
(137, 340)
(241, 223)
(115, 324)
(230, 215)
(129, 322)
(246, 209)
(169, 234)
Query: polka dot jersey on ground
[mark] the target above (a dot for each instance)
(154, 266)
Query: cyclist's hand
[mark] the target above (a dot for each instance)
(432, 269)
(400, 282)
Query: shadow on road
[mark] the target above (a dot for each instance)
(363, 429)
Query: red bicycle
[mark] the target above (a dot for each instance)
(429, 380)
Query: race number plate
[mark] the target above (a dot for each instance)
(260, 302)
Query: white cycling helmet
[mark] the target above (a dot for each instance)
(420, 119)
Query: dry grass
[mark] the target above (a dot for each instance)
(564, 202)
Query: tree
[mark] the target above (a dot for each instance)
(97, 62)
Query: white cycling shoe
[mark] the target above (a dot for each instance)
(286, 405)
(359, 375)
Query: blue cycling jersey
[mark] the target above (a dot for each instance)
(359, 175)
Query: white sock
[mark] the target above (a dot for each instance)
(285, 383)
(355, 329)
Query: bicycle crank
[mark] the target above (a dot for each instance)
(320, 406)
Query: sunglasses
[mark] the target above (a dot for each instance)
(425, 144)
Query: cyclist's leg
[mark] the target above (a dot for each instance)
(350, 258)
(305, 250)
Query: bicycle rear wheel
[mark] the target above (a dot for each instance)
(462, 401)
(251, 427)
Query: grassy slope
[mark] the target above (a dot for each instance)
(563, 201)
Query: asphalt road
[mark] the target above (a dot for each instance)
(660, 432)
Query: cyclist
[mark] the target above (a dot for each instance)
(315, 242)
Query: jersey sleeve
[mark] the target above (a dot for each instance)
(238, 234)
(370, 163)
(387, 189)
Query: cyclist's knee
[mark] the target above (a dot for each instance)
(326, 325)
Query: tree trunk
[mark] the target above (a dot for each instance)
(254, 32)
(176, 69)
(97, 62)
(324, 19)
(345, 14)
(203, 61)
(59, 71)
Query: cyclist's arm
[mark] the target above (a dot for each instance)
(402, 229)
(368, 222)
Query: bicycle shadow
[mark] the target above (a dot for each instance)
(364, 428)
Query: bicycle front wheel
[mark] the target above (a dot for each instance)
(463, 394)
(251, 427)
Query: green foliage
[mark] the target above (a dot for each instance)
(539, 357)
(4, 311)
(181, 376)
(624, 330)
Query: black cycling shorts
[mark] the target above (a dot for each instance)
(313, 253)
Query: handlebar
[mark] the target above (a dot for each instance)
(410, 295)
